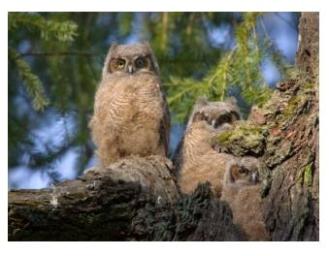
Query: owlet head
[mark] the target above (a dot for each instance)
(243, 171)
(215, 114)
(130, 59)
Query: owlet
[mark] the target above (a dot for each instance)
(130, 112)
(242, 192)
(197, 160)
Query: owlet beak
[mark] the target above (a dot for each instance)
(130, 69)
(213, 123)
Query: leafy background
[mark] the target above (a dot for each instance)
(55, 60)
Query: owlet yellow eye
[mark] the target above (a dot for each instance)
(120, 64)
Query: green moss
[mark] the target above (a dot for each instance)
(300, 177)
(252, 136)
(243, 138)
(248, 131)
(308, 176)
(292, 107)
(308, 86)
(224, 137)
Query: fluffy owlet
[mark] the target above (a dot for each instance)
(242, 191)
(130, 113)
(197, 160)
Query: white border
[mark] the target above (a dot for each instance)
(164, 5)
(202, 248)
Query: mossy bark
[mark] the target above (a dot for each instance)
(286, 142)
(292, 205)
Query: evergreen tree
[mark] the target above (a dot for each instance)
(55, 61)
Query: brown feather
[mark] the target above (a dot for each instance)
(130, 111)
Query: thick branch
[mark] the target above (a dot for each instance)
(100, 205)
(133, 199)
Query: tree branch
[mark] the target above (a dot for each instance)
(133, 199)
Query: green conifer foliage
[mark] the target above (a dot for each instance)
(55, 62)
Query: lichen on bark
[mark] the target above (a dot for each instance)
(244, 138)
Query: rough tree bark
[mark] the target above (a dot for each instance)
(137, 198)
(133, 199)
(292, 205)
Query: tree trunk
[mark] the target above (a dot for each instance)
(137, 198)
(292, 205)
